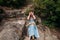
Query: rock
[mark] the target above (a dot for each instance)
(9, 34)
(11, 31)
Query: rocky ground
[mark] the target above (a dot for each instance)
(16, 30)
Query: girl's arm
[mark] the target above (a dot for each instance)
(28, 17)
(34, 17)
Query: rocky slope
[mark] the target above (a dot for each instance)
(16, 30)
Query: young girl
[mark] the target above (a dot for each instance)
(32, 28)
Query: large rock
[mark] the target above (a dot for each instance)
(9, 34)
(11, 31)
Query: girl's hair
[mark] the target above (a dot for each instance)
(31, 10)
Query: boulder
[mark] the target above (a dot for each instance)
(11, 31)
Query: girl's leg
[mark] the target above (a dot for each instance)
(32, 38)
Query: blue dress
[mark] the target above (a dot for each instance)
(32, 29)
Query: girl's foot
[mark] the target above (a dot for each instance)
(32, 38)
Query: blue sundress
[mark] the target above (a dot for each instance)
(32, 29)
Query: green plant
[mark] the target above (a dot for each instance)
(48, 11)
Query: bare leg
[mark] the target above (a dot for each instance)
(32, 38)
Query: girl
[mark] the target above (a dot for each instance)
(32, 28)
